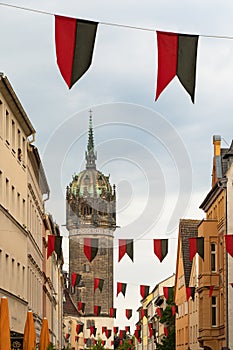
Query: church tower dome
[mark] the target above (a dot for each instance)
(91, 213)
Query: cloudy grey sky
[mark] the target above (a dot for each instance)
(158, 154)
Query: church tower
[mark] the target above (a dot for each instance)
(91, 213)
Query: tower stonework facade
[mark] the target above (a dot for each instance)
(91, 213)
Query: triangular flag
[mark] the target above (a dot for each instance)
(103, 342)
(104, 328)
(112, 312)
(168, 292)
(98, 283)
(54, 244)
(128, 313)
(125, 247)
(144, 291)
(115, 330)
(127, 329)
(229, 244)
(211, 288)
(196, 245)
(122, 334)
(143, 313)
(190, 292)
(138, 327)
(93, 330)
(174, 310)
(81, 306)
(161, 248)
(159, 312)
(97, 310)
(137, 334)
(166, 331)
(90, 248)
(177, 55)
(85, 340)
(79, 328)
(108, 333)
(75, 279)
(75, 40)
(150, 328)
(121, 288)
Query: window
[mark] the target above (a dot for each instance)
(86, 268)
(7, 194)
(13, 135)
(213, 257)
(214, 311)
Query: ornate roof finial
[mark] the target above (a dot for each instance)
(90, 153)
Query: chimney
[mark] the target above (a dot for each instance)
(217, 168)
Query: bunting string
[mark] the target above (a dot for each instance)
(229, 37)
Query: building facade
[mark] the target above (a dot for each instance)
(91, 216)
(23, 189)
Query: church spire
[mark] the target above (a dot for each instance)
(90, 153)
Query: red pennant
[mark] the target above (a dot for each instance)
(229, 244)
(103, 342)
(121, 288)
(122, 334)
(168, 292)
(115, 330)
(51, 245)
(128, 313)
(79, 328)
(159, 312)
(143, 313)
(125, 247)
(92, 330)
(127, 329)
(81, 306)
(144, 291)
(112, 312)
(150, 329)
(190, 292)
(85, 340)
(166, 331)
(90, 248)
(104, 328)
(97, 310)
(196, 245)
(112, 342)
(161, 248)
(174, 310)
(108, 333)
(211, 288)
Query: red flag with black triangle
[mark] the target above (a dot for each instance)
(121, 288)
(79, 328)
(127, 329)
(98, 283)
(125, 247)
(159, 312)
(144, 291)
(112, 312)
(196, 245)
(54, 244)
(168, 292)
(108, 333)
(115, 330)
(166, 331)
(75, 279)
(229, 244)
(85, 340)
(97, 310)
(174, 310)
(137, 334)
(122, 334)
(81, 306)
(128, 313)
(143, 313)
(104, 328)
(138, 327)
(75, 40)
(90, 248)
(190, 292)
(177, 55)
(93, 330)
(161, 248)
(103, 342)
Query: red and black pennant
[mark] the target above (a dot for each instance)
(85, 340)
(122, 334)
(103, 342)
(93, 330)
(190, 292)
(177, 55)
(125, 247)
(97, 310)
(161, 248)
(121, 288)
(168, 292)
(137, 334)
(91, 248)
(165, 331)
(54, 244)
(75, 40)
(104, 328)
(196, 245)
(159, 311)
(143, 313)
(174, 310)
(128, 313)
(108, 333)
(115, 330)
(144, 291)
(79, 328)
(98, 283)
(75, 279)
(229, 244)
(112, 312)
(81, 306)
(127, 329)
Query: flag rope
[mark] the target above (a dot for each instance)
(112, 24)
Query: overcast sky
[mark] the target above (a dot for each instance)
(159, 154)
